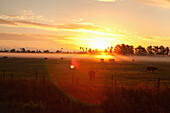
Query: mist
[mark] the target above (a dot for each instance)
(87, 56)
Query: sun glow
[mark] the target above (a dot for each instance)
(100, 43)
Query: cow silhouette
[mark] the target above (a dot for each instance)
(102, 60)
(92, 75)
(111, 60)
(151, 69)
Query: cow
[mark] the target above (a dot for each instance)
(45, 58)
(102, 60)
(151, 69)
(111, 60)
(5, 57)
(92, 75)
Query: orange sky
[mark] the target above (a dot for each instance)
(70, 24)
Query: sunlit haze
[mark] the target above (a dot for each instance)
(71, 24)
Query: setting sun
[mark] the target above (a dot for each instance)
(100, 43)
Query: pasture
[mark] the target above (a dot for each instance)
(53, 79)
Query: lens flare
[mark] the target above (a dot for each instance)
(72, 66)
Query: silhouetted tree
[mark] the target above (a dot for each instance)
(117, 49)
(23, 50)
(110, 51)
(46, 51)
(140, 50)
(28, 51)
(161, 50)
(12, 50)
(167, 51)
(89, 50)
(150, 50)
(123, 49)
(105, 50)
(155, 49)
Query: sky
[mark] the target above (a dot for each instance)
(71, 24)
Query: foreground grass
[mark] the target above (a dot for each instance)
(134, 91)
(29, 96)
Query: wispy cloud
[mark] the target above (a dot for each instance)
(25, 15)
(37, 41)
(76, 27)
(58, 39)
(106, 0)
(157, 3)
(109, 1)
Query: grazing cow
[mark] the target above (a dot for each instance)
(151, 69)
(62, 58)
(111, 60)
(92, 75)
(5, 57)
(45, 58)
(102, 60)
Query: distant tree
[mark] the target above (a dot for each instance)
(28, 51)
(110, 51)
(111, 47)
(155, 49)
(12, 50)
(38, 51)
(117, 49)
(96, 50)
(105, 50)
(150, 50)
(123, 49)
(167, 51)
(131, 49)
(23, 50)
(89, 50)
(46, 51)
(140, 50)
(161, 50)
(57, 51)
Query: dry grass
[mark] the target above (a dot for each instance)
(132, 90)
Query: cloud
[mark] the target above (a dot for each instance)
(76, 27)
(109, 1)
(37, 41)
(19, 37)
(25, 15)
(35, 37)
(106, 0)
(157, 3)
(4, 22)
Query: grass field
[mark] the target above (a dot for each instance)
(121, 86)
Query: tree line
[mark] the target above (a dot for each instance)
(122, 49)
(23, 50)
(150, 50)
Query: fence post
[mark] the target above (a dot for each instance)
(3, 74)
(158, 94)
(36, 75)
(12, 76)
(159, 82)
(112, 80)
(72, 78)
(43, 78)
